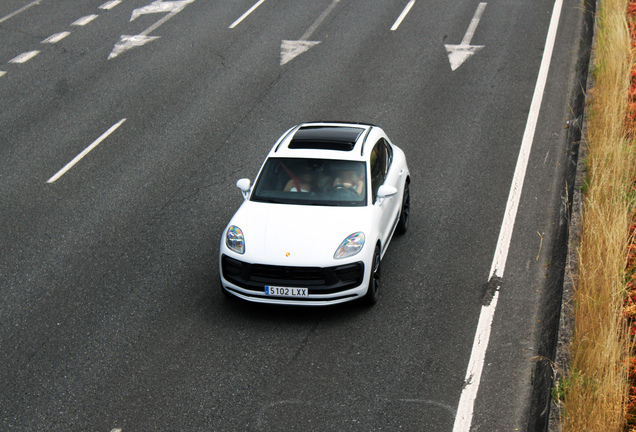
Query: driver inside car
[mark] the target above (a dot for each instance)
(349, 179)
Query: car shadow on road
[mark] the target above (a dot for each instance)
(295, 314)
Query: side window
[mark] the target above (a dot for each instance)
(378, 167)
(389, 152)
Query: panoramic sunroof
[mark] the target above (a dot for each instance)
(326, 138)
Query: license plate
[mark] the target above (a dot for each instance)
(285, 292)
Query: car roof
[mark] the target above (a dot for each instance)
(331, 140)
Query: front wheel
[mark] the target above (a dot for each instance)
(403, 222)
(373, 291)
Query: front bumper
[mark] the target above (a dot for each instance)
(326, 285)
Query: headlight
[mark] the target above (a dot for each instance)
(234, 239)
(350, 246)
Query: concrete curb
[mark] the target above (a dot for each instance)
(566, 321)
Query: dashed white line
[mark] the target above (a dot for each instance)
(84, 20)
(2, 73)
(22, 9)
(109, 5)
(56, 37)
(24, 57)
(403, 15)
(466, 406)
(79, 157)
(246, 14)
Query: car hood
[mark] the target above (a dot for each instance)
(297, 235)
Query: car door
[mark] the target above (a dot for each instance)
(384, 172)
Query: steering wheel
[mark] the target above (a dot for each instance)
(343, 186)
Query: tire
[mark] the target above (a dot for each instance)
(373, 291)
(403, 222)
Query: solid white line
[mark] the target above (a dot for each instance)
(246, 14)
(403, 15)
(466, 406)
(503, 243)
(22, 9)
(24, 57)
(56, 37)
(79, 157)
(84, 20)
(473, 24)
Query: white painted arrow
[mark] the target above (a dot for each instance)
(291, 49)
(127, 42)
(160, 6)
(458, 54)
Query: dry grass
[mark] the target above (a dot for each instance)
(596, 388)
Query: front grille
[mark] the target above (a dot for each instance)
(318, 280)
(268, 272)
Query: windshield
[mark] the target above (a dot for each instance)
(312, 182)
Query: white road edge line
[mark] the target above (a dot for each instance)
(464, 417)
(405, 12)
(22, 9)
(246, 14)
(79, 157)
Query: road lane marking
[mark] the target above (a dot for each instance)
(56, 37)
(24, 57)
(466, 406)
(84, 20)
(110, 4)
(22, 9)
(319, 21)
(127, 42)
(405, 12)
(160, 7)
(79, 157)
(246, 14)
(473, 24)
(2, 73)
(291, 49)
(458, 54)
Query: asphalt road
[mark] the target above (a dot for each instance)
(111, 316)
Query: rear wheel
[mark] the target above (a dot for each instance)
(403, 223)
(373, 291)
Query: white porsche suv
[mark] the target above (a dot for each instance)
(317, 221)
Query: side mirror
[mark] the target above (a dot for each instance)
(385, 191)
(244, 185)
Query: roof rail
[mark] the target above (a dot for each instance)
(364, 140)
(293, 129)
(343, 122)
